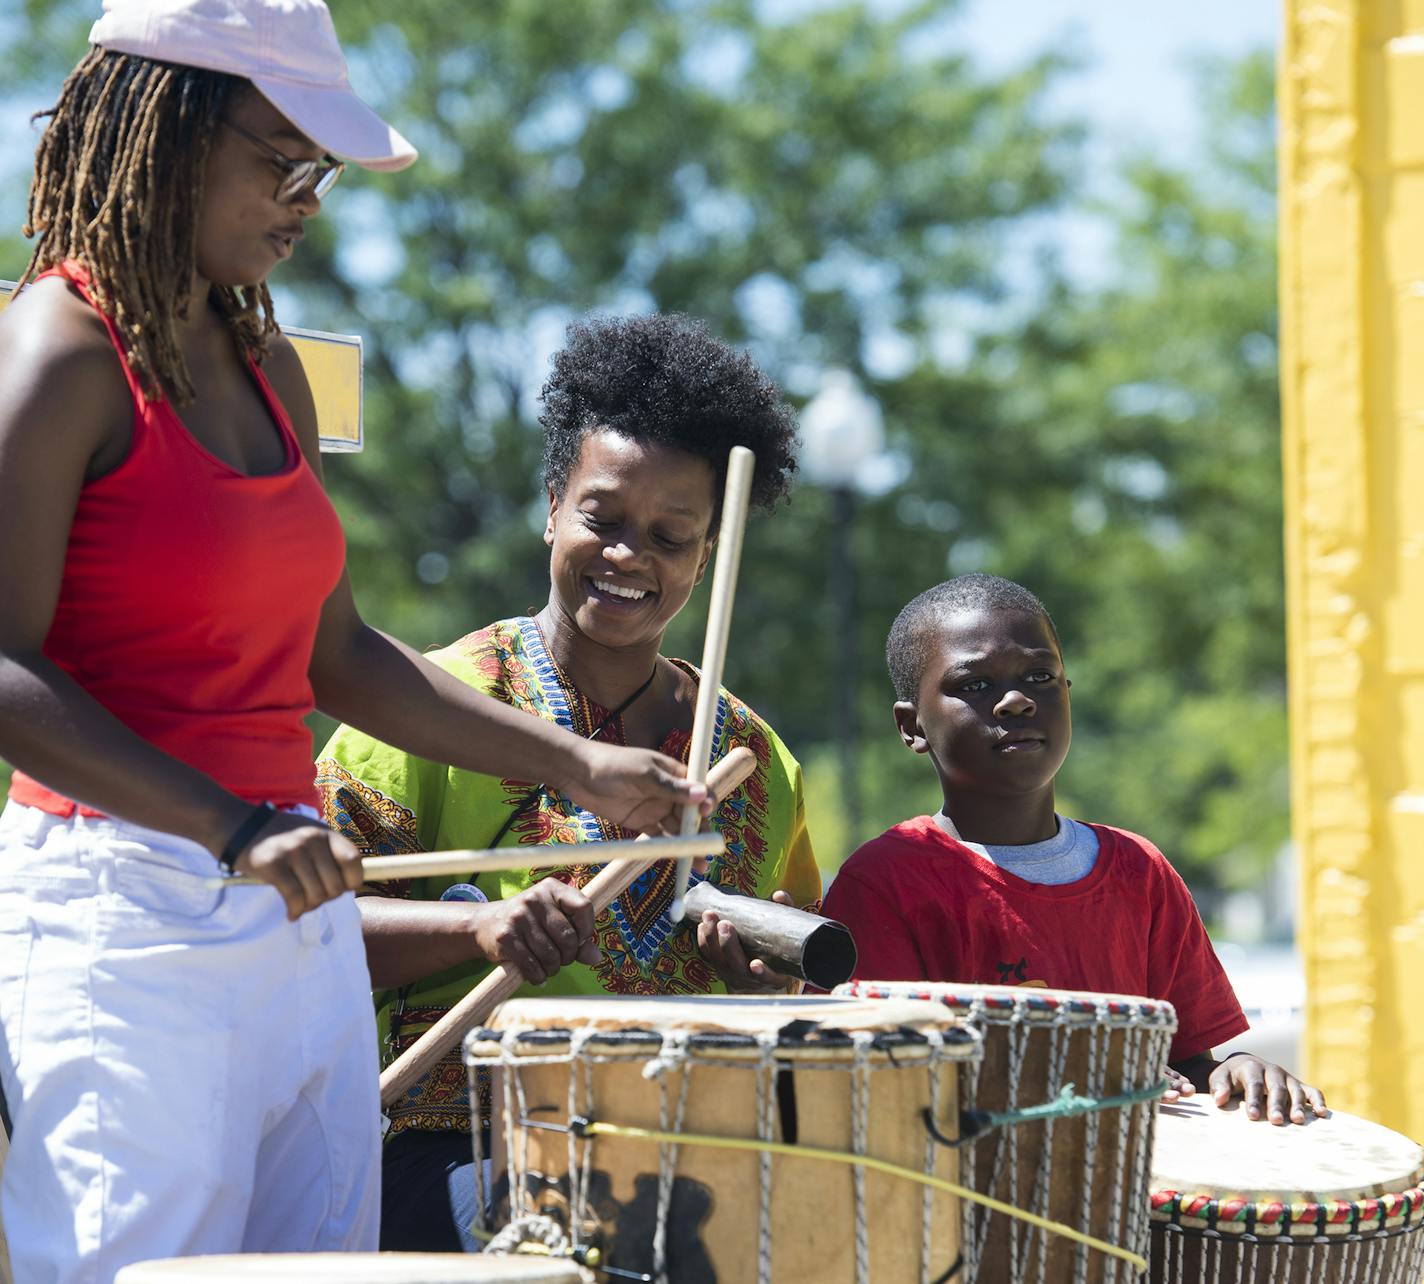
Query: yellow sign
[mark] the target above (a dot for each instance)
(333, 367)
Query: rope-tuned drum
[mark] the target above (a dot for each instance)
(1063, 1102)
(734, 1140)
(1239, 1201)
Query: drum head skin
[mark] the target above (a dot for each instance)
(714, 1013)
(1225, 1154)
(352, 1268)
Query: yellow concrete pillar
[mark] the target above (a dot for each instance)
(1352, 378)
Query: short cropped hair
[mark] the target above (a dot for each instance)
(665, 379)
(907, 647)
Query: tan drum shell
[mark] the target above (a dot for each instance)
(813, 1224)
(1206, 1154)
(1110, 1045)
(352, 1268)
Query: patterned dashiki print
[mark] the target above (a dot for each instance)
(389, 803)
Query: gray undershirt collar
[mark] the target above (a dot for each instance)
(1065, 858)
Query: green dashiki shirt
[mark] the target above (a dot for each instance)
(388, 803)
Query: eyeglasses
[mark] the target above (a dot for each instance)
(297, 175)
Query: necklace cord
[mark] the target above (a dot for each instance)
(397, 1017)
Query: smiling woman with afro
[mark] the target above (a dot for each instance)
(639, 415)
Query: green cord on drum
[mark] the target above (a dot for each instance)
(1066, 1105)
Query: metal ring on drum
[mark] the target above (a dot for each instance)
(656, 1132)
(1336, 1200)
(352, 1268)
(1084, 1168)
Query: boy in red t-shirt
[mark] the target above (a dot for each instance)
(997, 888)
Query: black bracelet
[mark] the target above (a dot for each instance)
(245, 833)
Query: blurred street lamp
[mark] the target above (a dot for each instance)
(842, 433)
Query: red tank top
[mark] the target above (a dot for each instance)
(190, 600)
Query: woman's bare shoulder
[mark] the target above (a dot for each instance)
(57, 362)
(50, 325)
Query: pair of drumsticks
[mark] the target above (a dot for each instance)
(627, 859)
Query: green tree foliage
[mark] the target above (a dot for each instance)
(818, 189)
(835, 189)
(1134, 480)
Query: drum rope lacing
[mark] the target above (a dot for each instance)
(676, 1053)
(1146, 1030)
(927, 1194)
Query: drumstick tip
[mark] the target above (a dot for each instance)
(679, 888)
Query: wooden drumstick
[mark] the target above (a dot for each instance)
(603, 889)
(735, 500)
(376, 869)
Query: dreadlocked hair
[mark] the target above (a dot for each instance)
(118, 183)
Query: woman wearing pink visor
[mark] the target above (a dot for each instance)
(189, 1068)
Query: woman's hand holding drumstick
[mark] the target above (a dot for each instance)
(609, 884)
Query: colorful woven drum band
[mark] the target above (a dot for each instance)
(1268, 1219)
(1027, 1002)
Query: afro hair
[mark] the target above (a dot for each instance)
(664, 379)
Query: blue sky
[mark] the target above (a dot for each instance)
(1135, 88)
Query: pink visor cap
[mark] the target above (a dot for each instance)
(286, 48)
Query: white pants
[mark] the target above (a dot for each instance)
(186, 1071)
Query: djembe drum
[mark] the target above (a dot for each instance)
(1241, 1201)
(352, 1268)
(1080, 1160)
(675, 1136)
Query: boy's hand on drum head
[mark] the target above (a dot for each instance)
(718, 943)
(539, 931)
(1267, 1090)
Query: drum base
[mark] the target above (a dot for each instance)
(1181, 1256)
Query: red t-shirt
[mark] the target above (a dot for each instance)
(923, 907)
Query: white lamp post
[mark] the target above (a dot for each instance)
(842, 432)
